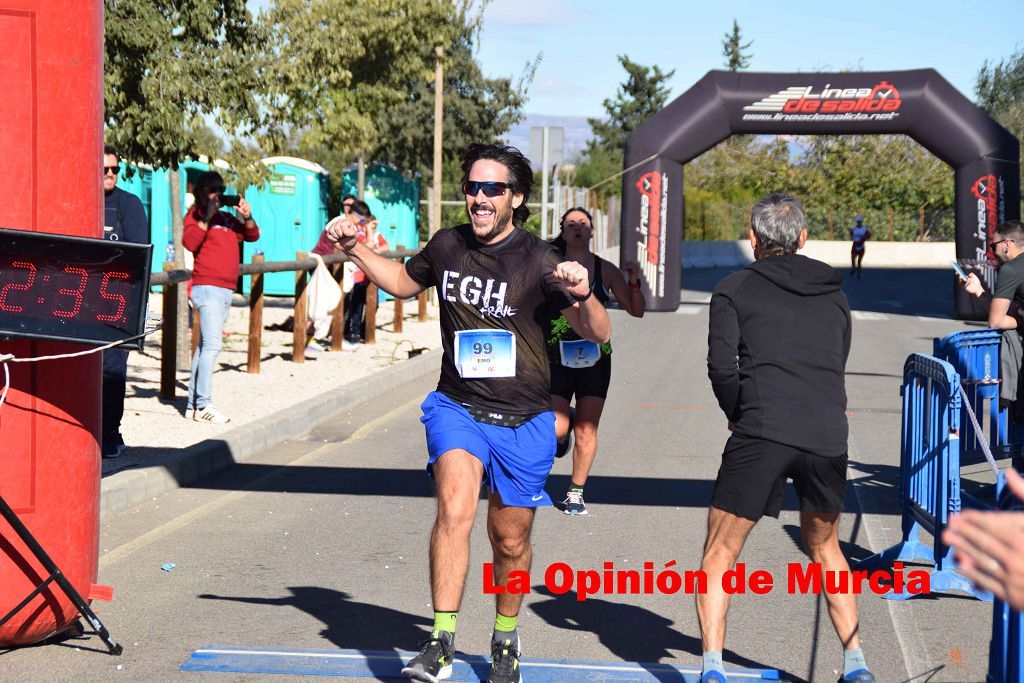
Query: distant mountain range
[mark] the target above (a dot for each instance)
(577, 132)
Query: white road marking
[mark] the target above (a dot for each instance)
(912, 644)
(868, 315)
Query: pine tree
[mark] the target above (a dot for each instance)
(733, 49)
(642, 94)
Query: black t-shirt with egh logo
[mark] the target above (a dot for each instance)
(505, 286)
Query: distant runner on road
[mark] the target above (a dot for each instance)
(490, 419)
(860, 234)
(580, 367)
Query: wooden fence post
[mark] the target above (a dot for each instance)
(299, 314)
(892, 227)
(371, 313)
(920, 231)
(252, 365)
(338, 317)
(421, 301)
(169, 339)
(831, 230)
(396, 324)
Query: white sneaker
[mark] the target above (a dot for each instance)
(313, 349)
(211, 415)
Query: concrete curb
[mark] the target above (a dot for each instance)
(175, 469)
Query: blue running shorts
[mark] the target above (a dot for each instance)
(516, 460)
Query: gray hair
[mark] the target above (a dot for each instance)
(778, 220)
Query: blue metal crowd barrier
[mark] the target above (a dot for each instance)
(974, 354)
(929, 471)
(1006, 649)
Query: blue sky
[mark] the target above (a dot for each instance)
(580, 40)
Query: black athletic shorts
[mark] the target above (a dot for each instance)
(592, 381)
(753, 475)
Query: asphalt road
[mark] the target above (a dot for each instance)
(321, 542)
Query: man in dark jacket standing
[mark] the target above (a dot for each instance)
(777, 347)
(124, 220)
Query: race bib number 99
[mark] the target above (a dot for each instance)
(485, 353)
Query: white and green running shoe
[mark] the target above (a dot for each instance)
(434, 662)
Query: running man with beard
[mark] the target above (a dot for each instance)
(490, 419)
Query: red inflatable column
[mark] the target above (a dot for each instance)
(51, 105)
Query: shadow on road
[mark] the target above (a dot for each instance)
(350, 624)
(631, 633)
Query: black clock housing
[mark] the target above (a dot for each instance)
(73, 289)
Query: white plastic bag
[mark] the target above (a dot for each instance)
(324, 295)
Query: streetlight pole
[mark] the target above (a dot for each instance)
(435, 208)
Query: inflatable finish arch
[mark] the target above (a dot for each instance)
(919, 103)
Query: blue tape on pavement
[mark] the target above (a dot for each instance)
(388, 664)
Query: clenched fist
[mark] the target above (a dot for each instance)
(342, 233)
(575, 277)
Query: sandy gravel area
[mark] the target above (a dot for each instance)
(151, 425)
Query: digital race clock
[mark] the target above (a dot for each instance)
(74, 289)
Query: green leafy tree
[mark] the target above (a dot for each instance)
(476, 108)
(1000, 90)
(643, 93)
(733, 49)
(331, 68)
(350, 78)
(171, 66)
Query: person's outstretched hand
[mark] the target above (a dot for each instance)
(989, 547)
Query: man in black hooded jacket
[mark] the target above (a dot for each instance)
(778, 342)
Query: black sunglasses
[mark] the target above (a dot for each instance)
(110, 169)
(996, 244)
(491, 189)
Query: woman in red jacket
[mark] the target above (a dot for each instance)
(212, 236)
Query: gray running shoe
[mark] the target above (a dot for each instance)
(505, 662)
(434, 662)
(573, 503)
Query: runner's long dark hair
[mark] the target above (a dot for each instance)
(520, 174)
(559, 241)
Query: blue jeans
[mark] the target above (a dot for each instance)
(212, 305)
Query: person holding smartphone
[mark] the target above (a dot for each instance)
(1008, 297)
(212, 236)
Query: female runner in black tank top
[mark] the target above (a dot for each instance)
(588, 384)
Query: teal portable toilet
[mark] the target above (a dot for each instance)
(139, 184)
(160, 216)
(392, 198)
(291, 210)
